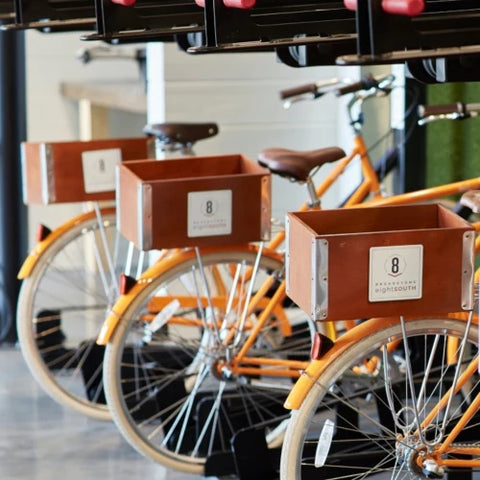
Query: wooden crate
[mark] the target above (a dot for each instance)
(194, 201)
(379, 261)
(77, 171)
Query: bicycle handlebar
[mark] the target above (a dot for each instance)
(366, 83)
(428, 110)
(339, 87)
(296, 91)
(316, 90)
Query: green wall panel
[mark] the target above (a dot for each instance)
(453, 147)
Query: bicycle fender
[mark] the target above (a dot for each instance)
(41, 247)
(316, 367)
(124, 301)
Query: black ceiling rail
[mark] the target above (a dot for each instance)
(53, 15)
(146, 20)
(274, 23)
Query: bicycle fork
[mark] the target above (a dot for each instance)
(417, 420)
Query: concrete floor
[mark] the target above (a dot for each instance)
(40, 440)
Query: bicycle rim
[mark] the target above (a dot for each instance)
(165, 393)
(360, 420)
(61, 308)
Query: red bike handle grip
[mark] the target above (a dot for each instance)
(242, 4)
(409, 8)
(124, 3)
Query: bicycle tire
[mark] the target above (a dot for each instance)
(57, 297)
(174, 371)
(374, 446)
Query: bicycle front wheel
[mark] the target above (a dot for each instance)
(374, 413)
(164, 387)
(61, 307)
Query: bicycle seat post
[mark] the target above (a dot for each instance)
(165, 149)
(312, 193)
(177, 139)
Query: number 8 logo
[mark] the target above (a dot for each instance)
(395, 265)
(209, 208)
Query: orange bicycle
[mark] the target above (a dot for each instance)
(70, 277)
(394, 397)
(205, 342)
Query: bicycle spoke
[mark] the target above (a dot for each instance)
(62, 307)
(393, 417)
(188, 398)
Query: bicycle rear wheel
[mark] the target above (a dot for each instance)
(165, 392)
(360, 420)
(61, 308)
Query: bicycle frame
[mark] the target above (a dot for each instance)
(246, 365)
(369, 186)
(291, 368)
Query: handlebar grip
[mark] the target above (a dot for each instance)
(350, 4)
(364, 84)
(125, 3)
(300, 90)
(427, 110)
(409, 8)
(242, 4)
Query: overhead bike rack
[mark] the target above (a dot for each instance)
(7, 10)
(446, 28)
(317, 53)
(54, 15)
(274, 23)
(146, 20)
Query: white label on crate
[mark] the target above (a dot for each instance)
(395, 273)
(99, 169)
(209, 213)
